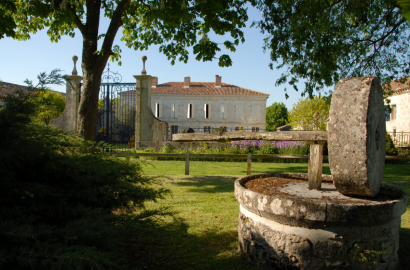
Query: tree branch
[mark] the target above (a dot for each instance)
(77, 20)
(115, 24)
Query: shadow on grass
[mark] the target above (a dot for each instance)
(171, 246)
(404, 247)
(208, 183)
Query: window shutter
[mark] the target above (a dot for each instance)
(255, 112)
(189, 113)
(239, 112)
(221, 111)
(176, 110)
(160, 108)
(205, 111)
(209, 111)
(156, 110)
(172, 110)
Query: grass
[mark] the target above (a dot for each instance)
(203, 233)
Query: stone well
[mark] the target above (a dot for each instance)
(287, 226)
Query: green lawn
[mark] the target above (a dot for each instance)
(203, 233)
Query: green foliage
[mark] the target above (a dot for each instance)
(63, 205)
(309, 114)
(276, 116)
(363, 255)
(49, 105)
(7, 24)
(391, 149)
(184, 131)
(405, 5)
(218, 130)
(166, 148)
(323, 41)
(204, 145)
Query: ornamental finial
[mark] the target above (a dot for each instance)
(143, 72)
(75, 58)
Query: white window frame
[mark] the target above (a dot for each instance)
(174, 110)
(207, 111)
(158, 110)
(393, 114)
(190, 110)
(223, 112)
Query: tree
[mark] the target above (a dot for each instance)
(173, 24)
(7, 24)
(49, 105)
(323, 41)
(276, 116)
(64, 203)
(309, 114)
(405, 5)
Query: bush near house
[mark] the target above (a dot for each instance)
(391, 149)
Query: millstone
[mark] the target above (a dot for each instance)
(357, 136)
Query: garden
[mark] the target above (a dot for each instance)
(64, 205)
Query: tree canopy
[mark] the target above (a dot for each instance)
(276, 116)
(309, 114)
(174, 25)
(48, 104)
(323, 41)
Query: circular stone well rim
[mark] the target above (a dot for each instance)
(316, 213)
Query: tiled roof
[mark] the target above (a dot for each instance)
(400, 88)
(10, 88)
(203, 88)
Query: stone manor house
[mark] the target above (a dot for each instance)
(398, 122)
(204, 106)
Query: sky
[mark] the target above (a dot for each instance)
(22, 60)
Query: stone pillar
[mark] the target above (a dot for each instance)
(68, 119)
(149, 130)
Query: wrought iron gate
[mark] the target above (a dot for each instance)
(116, 112)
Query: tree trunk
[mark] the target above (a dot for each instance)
(92, 66)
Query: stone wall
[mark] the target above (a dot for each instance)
(401, 123)
(147, 127)
(68, 119)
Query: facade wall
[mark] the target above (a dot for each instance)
(223, 111)
(401, 123)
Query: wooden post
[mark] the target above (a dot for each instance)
(315, 166)
(128, 156)
(187, 163)
(249, 160)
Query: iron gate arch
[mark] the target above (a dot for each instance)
(116, 111)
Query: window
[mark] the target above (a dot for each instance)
(255, 129)
(223, 112)
(393, 112)
(223, 129)
(207, 108)
(174, 110)
(237, 128)
(256, 112)
(158, 110)
(387, 114)
(207, 129)
(174, 129)
(239, 112)
(190, 110)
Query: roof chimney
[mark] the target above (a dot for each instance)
(187, 82)
(218, 81)
(154, 82)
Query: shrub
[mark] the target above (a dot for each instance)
(391, 149)
(63, 205)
